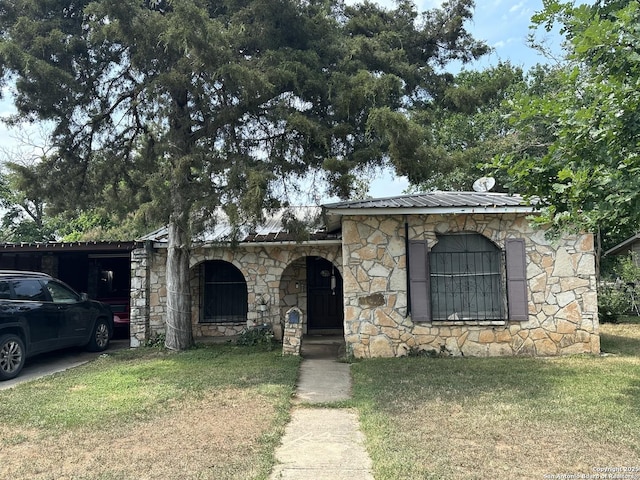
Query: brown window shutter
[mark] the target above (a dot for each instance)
(419, 278)
(517, 298)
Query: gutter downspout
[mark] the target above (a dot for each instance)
(408, 264)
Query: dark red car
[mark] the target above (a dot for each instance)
(120, 309)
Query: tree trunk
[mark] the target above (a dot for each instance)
(179, 334)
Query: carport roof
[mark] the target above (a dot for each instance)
(102, 246)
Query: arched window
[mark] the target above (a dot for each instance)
(466, 278)
(223, 293)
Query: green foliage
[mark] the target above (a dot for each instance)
(139, 114)
(24, 219)
(588, 177)
(613, 301)
(156, 341)
(174, 109)
(469, 126)
(260, 335)
(625, 268)
(620, 286)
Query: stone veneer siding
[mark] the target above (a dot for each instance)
(561, 290)
(275, 274)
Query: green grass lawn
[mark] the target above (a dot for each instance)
(471, 418)
(211, 412)
(218, 412)
(629, 319)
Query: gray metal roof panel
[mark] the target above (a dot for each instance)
(271, 230)
(623, 246)
(320, 226)
(434, 200)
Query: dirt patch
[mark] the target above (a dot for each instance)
(215, 437)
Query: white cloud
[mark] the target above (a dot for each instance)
(390, 4)
(516, 7)
(429, 4)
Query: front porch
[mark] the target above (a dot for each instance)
(327, 346)
(237, 288)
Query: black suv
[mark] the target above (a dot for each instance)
(39, 313)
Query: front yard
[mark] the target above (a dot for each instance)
(218, 412)
(519, 418)
(211, 413)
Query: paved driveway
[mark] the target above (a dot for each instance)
(53, 362)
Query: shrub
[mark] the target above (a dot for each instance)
(260, 335)
(156, 341)
(613, 301)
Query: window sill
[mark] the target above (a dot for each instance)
(476, 323)
(222, 322)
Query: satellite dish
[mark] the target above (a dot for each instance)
(484, 184)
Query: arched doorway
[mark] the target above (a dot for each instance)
(325, 306)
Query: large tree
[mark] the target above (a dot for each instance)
(469, 126)
(23, 218)
(588, 177)
(221, 102)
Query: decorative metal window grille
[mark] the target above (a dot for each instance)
(224, 293)
(466, 279)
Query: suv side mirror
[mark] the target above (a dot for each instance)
(84, 297)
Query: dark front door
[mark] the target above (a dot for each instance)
(324, 295)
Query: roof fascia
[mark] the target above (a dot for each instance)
(314, 243)
(430, 210)
(621, 246)
(125, 246)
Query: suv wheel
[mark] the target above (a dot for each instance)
(100, 337)
(12, 356)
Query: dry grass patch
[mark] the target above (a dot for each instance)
(620, 338)
(471, 418)
(211, 437)
(453, 441)
(211, 413)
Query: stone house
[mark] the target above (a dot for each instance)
(458, 273)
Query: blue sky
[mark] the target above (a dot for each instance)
(503, 24)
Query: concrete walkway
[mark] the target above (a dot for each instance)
(322, 443)
(58, 361)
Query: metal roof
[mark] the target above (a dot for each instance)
(435, 200)
(323, 223)
(624, 246)
(430, 203)
(271, 230)
(91, 246)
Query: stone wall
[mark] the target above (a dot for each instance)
(275, 275)
(561, 289)
(139, 330)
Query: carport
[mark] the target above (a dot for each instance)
(102, 269)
